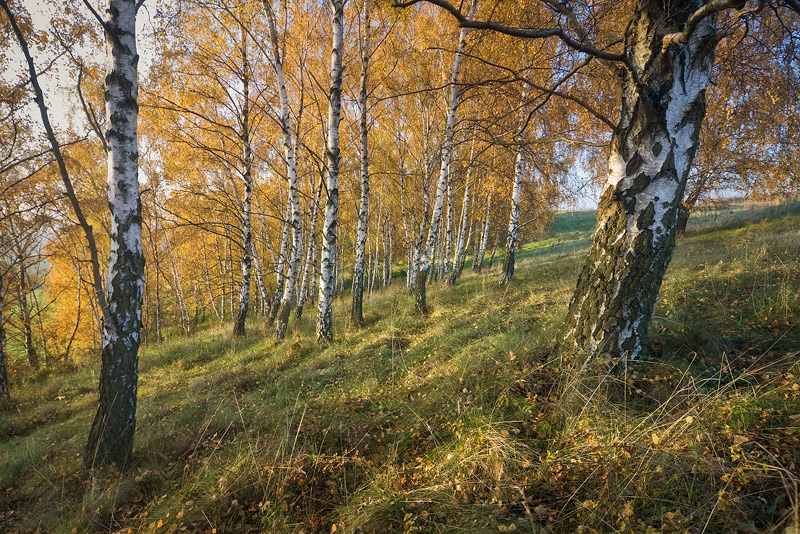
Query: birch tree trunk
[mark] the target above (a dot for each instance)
(111, 436)
(418, 244)
(25, 312)
(4, 389)
(387, 251)
(247, 200)
(478, 266)
(262, 286)
(462, 224)
(494, 247)
(513, 219)
(291, 174)
(449, 238)
(651, 154)
(409, 247)
(157, 269)
(331, 224)
(177, 284)
(447, 149)
(308, 266)
(222, 276)
(280, 278)
(229, 269)
(356, 314)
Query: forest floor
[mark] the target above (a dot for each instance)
(452, 422)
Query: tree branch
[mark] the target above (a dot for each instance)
(695, 18)
(538, 33)
(87, 109)
(62, 167)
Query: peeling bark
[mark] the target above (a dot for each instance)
(651, 154)
(111, 436)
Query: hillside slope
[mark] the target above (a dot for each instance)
(452, 422)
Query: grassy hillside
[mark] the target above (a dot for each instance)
(452, 422)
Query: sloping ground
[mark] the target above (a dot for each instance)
(452, 422)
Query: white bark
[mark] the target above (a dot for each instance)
(513, 219)
(291, 175)
(247, 200)
(444, 170)
(462, 225)
(484, 237)
(509, 260)
(330, 226)
(111, 435)
(356, 315)
(449, 237)
(308, 266)
(409, 247)
(650, 156)
(280, 265)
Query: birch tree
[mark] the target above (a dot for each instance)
(664, 64)
(662, 107)
(330, 227)
(247, 197)
(463, 219)
(513, 220)
(441, 186)
(111, 435)
(309, 269)
(356, 315)
(4, 389)
(291, 173)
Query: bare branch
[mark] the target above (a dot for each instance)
(87, 109)
(695, 18)
(539, 33)
(62, 167)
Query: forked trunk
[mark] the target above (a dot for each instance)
(651, 153)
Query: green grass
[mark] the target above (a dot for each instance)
(450, 422)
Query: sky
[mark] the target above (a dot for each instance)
(58, 83)
(61, 95)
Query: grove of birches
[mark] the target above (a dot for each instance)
(167, 166)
